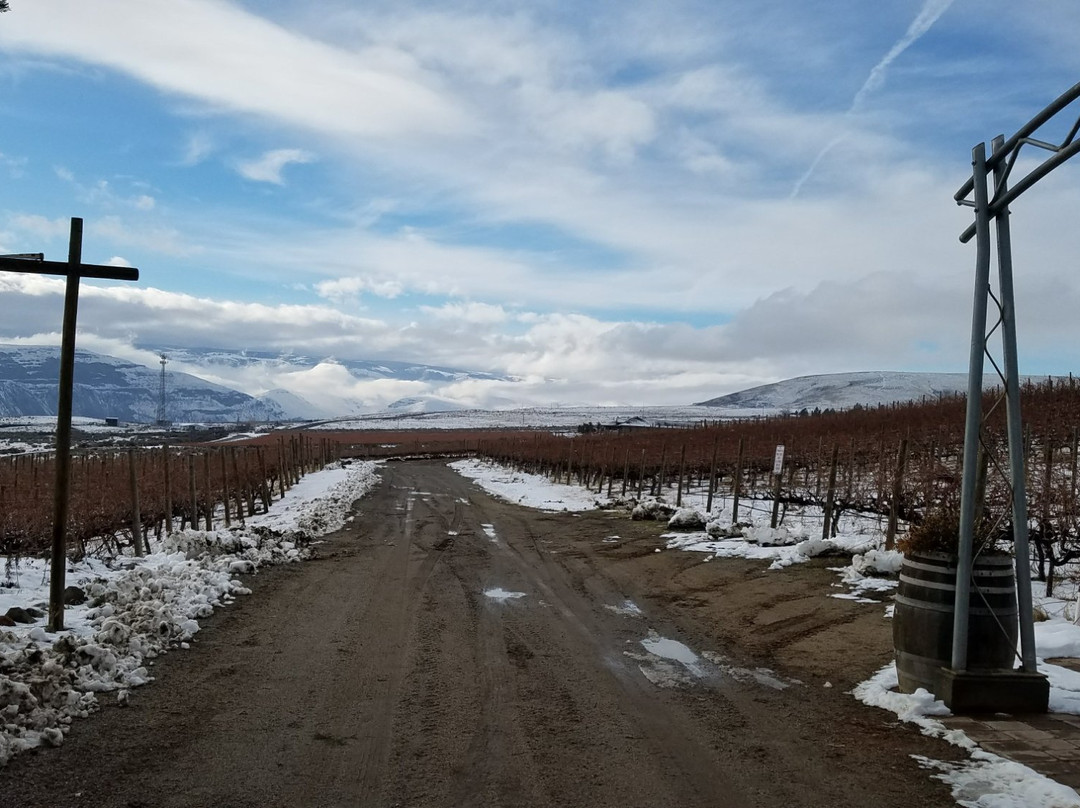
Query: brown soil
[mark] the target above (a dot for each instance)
(381, 675)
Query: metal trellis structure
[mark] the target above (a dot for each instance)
(989, 192)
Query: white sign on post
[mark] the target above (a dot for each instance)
(778, 460)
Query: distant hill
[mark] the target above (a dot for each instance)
(107, 387)
(843, 391)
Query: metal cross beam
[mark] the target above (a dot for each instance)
(73, 269)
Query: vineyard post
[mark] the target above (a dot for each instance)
(849, 470)
(897, 492)
(736, 485)
(168, 489)
(659, 482)
(264, 487)
(817, 470)
(641, 476)
(238, 481)
(225, 486)
(193, 515)
(1072, 458)
(682, 471)
(281, 467)
(830, 494)
(208, 488)
(625, 471)
(882, 469)
(712, 475)
(778, 473)
(136, 516)
(611, 470)
(1048, 482)
(569, 461)
(249, 485)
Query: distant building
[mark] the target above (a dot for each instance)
(112, 422)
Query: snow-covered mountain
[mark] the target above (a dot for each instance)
(109, 387)
(358, 368)
(423, 404)
(843, 391)
(308, 387)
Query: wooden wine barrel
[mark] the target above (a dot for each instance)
(923, 617)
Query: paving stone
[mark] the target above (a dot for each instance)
(1058, 745)
(1036, 736)
(1026, 755)
(1007, 726)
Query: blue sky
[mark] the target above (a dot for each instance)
(621, 202)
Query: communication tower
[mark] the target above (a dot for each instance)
(161, 419)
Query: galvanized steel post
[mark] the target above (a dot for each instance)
(974, 411)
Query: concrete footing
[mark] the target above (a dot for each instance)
(993, 691)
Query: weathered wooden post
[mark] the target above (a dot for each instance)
(136, 515)
(226, 493)
(73, 270)
(712, 475)
(778, 474)
(167, 460)
(682, 471)
(897, 492)
(736, 485)
(830, 494)
(193, 512)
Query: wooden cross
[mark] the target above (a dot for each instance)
(73, 269)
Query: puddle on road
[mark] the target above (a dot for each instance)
(763, 676)
(667, 663)
(627, 609)
(502, 595)
(670, 663)
(672, 649)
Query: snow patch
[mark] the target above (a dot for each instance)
(502, 596)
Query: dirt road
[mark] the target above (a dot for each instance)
(448, 649)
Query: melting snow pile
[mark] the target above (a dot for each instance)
(530, 490)
(137, 608)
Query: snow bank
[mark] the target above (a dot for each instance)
(137, 608)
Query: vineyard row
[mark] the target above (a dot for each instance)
(900, 461)
(123, 497)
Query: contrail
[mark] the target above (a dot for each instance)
(931, 11)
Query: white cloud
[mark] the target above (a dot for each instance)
(349, 289)
(556, 186)
(269, 166)
(199, 146)
(468, 313)
(39, 226)
(233, 60)
(153, 238)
